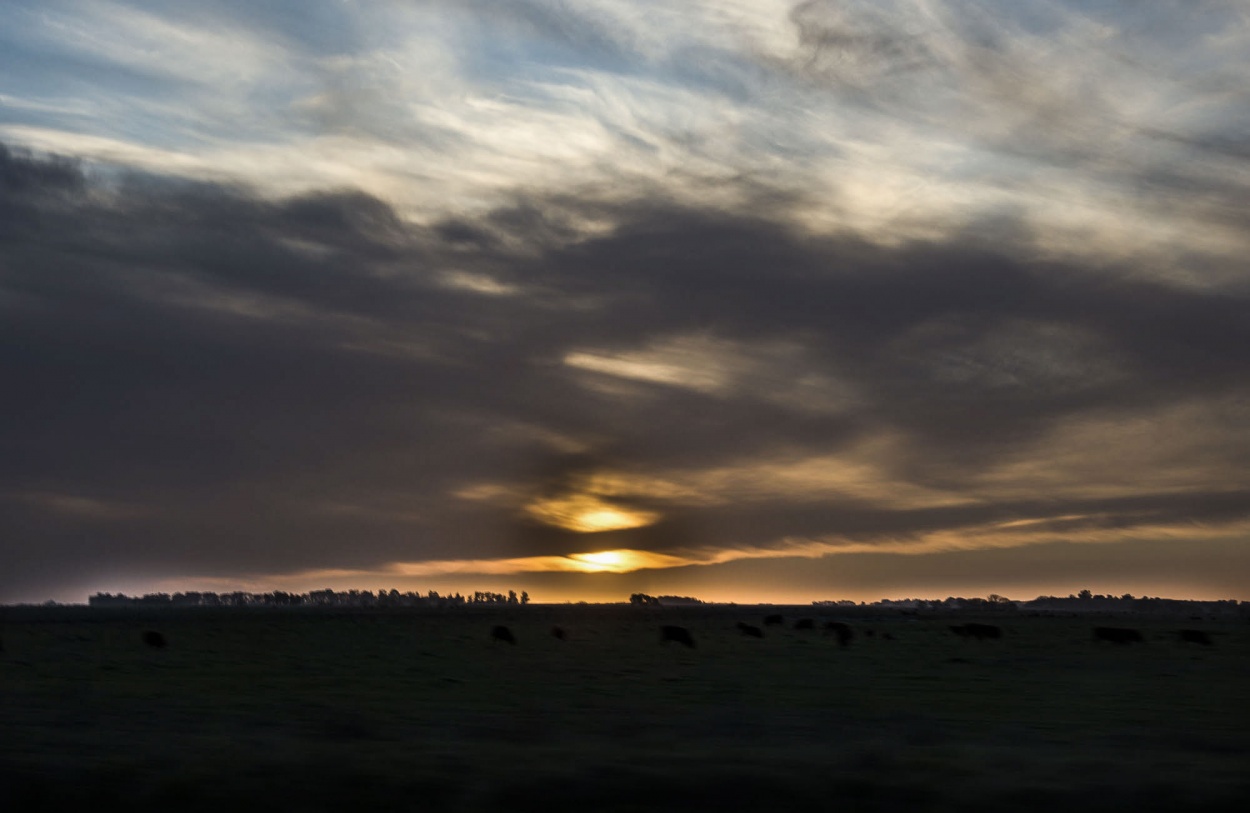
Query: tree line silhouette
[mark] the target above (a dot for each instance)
(314, 598)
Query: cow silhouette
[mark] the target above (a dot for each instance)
(154, 639)
(502, 633)
(1194, 637)
(1118, 635)
(843, 631)
(805, 624)
(558, 633)
(774, 620)
(680, 635)
(750, 631)
(978, 631)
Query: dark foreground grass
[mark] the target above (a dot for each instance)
(421, 710)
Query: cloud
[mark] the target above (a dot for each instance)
(359, 286)
(293, 384)
(1110, 132)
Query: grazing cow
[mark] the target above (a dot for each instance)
(1194, 637)
(750, 631)
(154, 639)
(805, 624)
(1118, 635)
(843, 631)
(774, 620)
(680, 635)
(502, 633)
(978, 631)
(558, 633)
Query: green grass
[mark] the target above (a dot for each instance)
(421, 710)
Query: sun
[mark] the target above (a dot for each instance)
(608, 561)
(606, 558)
(623, 560)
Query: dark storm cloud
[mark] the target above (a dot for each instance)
(204, 382)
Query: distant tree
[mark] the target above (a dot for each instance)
(1085, 595)
(525, 597)
(642, 599)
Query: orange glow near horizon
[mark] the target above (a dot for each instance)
(541, 575)
(626, 561)
(608, 561)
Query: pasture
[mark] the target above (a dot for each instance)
(318, 709)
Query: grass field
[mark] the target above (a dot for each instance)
(421, 710)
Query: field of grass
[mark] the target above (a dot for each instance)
(421, 710)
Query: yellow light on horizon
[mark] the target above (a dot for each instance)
(611, 561)
(607, 558)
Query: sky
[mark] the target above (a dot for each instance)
(747, 300)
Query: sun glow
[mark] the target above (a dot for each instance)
(588, 514)
(619, 561)
(608, 519)
(606, 561)
(607, 558)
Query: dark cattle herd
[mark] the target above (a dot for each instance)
(843, 632)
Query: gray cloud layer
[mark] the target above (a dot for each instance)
(200, 381)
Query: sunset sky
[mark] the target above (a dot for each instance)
(778, 301)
